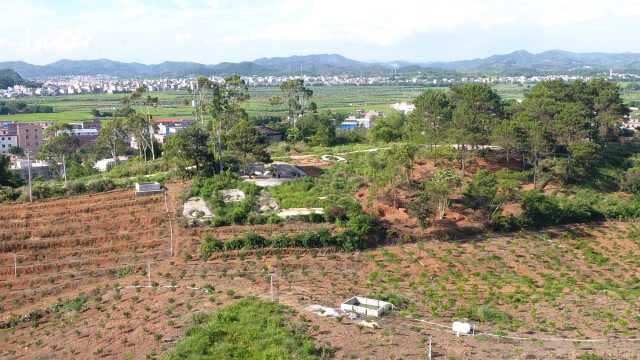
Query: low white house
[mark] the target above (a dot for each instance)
(403, 107)
(38, 169)
(106, 164)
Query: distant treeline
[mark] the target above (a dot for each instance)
(19, 107)
(98, 113)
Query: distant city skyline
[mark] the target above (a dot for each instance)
(214, 31)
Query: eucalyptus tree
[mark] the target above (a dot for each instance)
(113, 136)
(296, 96)
(226, 110)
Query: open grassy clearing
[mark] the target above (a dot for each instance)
(249, 329)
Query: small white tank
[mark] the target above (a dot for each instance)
(461, 328)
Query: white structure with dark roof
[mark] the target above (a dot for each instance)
(403, 107)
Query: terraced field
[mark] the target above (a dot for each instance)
(50, 247)
(83, 288)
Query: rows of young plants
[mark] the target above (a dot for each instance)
(94, 208)
(531, 282)
(68, 240)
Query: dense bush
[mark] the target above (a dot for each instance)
(50, 189)
(631, 180)
(540, 210)
(8, 193)
(482, 191)
(209, 245)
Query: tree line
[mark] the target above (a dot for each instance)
(21, 107)
(560, 128)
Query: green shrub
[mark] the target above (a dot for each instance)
(8, 194)
(510, 223)
(631, 180)
(76, 187)
(349, 241)
(361, 224)
(540, 210)
(485, 313)
(209, 245)
(100, 185)
(234, 244)
(482, 191)
(253, 241)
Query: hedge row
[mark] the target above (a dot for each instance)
(346, 241)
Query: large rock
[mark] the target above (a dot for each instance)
(195, 208)
(267, 204)
(232, 195)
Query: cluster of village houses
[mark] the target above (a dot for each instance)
(31, 136)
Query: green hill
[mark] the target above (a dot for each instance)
(9, 78)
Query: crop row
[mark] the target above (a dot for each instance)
(27, 290)
(72, 254)
(68, 202)
(89, 218)
(113, 223)
(77, 265)
(74, 211)
(68, 242)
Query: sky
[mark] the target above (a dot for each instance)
(213, 31)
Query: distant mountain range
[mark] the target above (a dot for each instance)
(548, 61)
(515, 63)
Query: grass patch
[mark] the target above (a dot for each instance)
(249, 329)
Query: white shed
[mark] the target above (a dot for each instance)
(148, 188)
(366, 306)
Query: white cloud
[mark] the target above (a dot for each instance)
(386, 22)
(144, 29)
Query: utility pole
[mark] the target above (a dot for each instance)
(271, 286)
(274, 297)
(15, 265)
(29, 172)
(151, 130)
(149, 274)
(429, 349)
(170, 237)
(64, 170)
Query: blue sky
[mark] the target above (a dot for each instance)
(212, 31)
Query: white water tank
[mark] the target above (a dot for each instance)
(461, 328)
